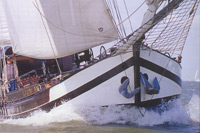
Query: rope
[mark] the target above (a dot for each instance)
(192, 12)
(125, 72)
(119, 18)
(128, 15)
(110, 11)
(170, 34)
(132, 13)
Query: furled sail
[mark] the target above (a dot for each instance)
(47, 29)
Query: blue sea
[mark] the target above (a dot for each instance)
(182, 115)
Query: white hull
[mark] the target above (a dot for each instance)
(98, 85)
(107, 92)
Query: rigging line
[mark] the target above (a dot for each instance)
(168, 36)
(194, 8)
(110, 11)
(181, 30)
(184, 31)
(125, 72)
(186, 34)
(120, 19)
(133, 13)
(165, 68)
(180, 39)
(128, 15)
(48, 37)
(161, 32)
(152, 31)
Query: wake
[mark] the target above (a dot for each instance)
(175, 113)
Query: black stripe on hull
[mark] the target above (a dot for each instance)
(155, 102)
(97, 81)
(113, 72)
(93, 83)
(160, 70)
(150, 103)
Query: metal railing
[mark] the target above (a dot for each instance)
(28, 78)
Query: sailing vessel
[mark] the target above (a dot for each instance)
(196, 77)
(53, 44)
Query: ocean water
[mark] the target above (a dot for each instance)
(182, 115)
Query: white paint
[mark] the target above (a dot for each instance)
(107, 93)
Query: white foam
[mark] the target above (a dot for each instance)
(193, 108)
(61, 113)
(176, 114)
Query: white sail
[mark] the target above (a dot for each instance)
(197, 77)
(4, 34)
(47, 29)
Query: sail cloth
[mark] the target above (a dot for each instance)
(4, 34)
(46, 29)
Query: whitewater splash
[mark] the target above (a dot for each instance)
(194, 108)
(175, 114)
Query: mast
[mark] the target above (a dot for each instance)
(136, 59)
(147, 20)
(4, 41)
